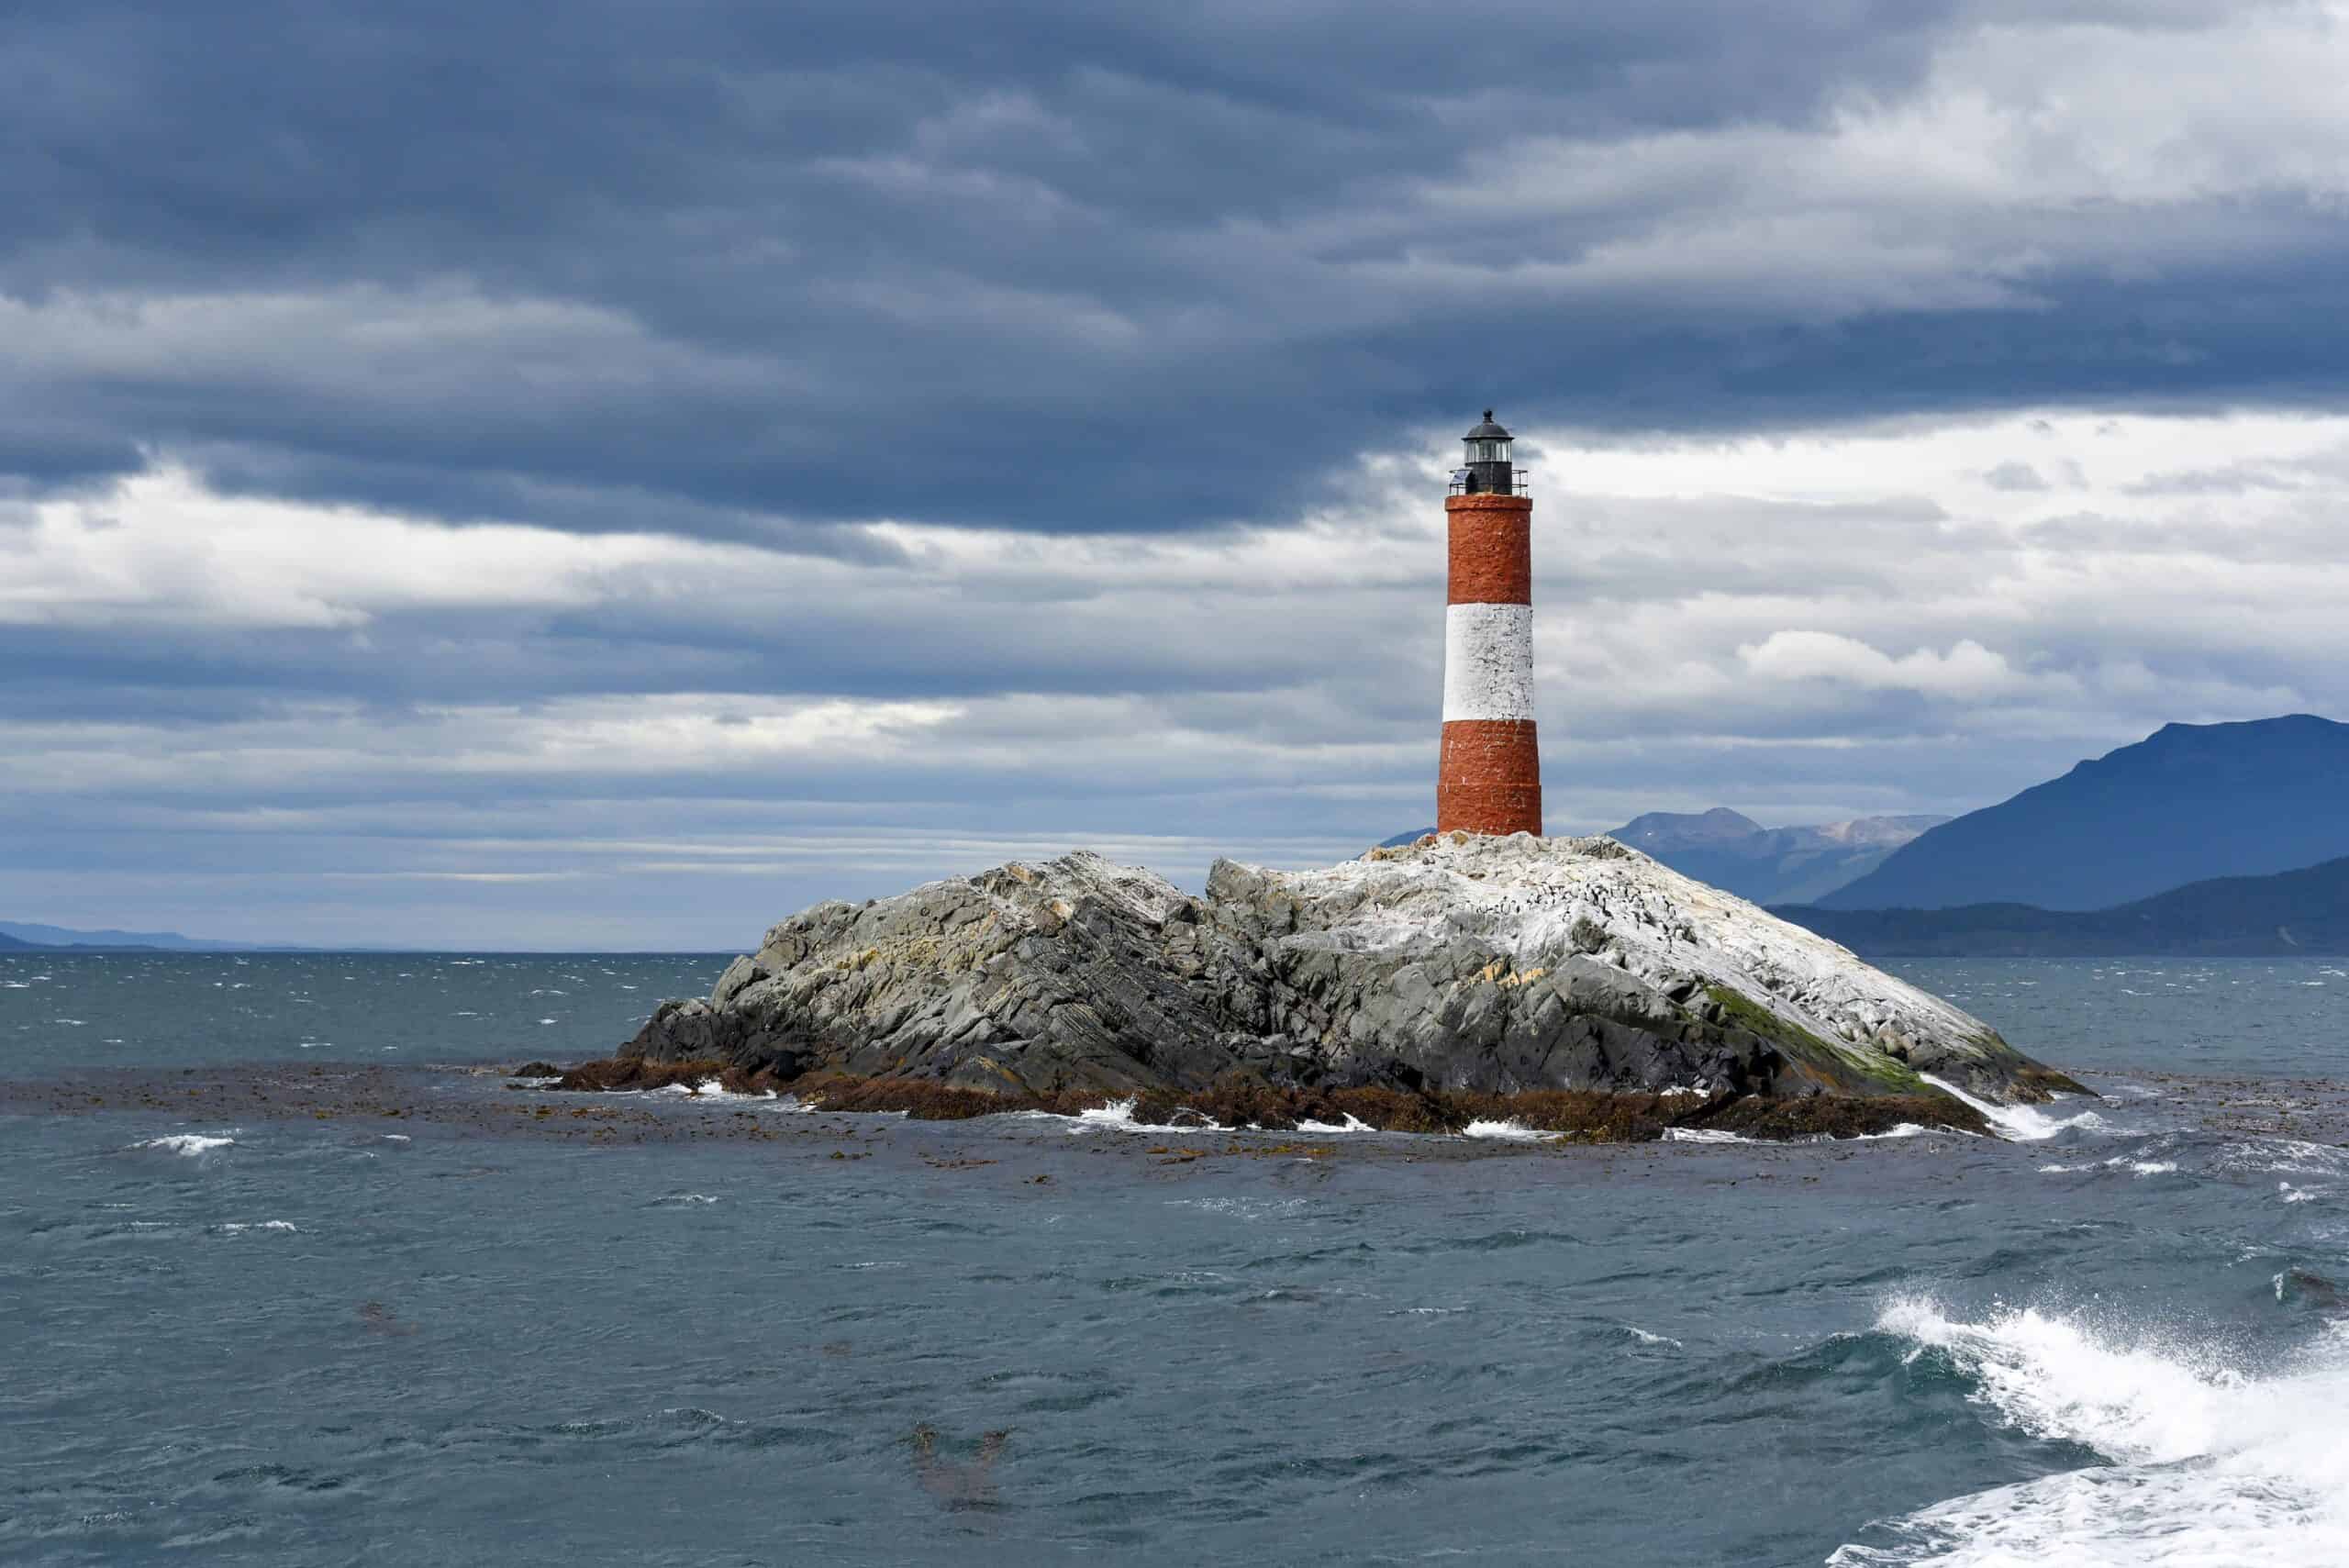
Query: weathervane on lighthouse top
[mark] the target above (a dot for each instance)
(1490, 777)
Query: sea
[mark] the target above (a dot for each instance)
(290, 1272)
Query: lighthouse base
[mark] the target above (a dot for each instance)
(1490, 777)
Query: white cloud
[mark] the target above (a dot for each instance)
(2037, 144)
(1807, 625)
(438, 342)
(1968, 670)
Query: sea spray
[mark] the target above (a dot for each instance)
(2208, 1464)
(2025, 1124)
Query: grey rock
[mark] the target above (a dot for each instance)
(1482, 964)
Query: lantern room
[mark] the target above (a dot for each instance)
(1488, 469)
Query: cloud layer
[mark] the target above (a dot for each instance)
(465, 482)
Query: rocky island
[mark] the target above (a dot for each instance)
(1569, 984)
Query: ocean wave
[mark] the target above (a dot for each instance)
(1352, 1124)
(2206, 1463)
(1721, 1135)
(238, 1228)
(2147, 1167)
(2025, 1124)
(1119, 1117)
(712, 1091)
(1245, 1207)
(1511, 1131)
(188, 1143)
(2282, 1157)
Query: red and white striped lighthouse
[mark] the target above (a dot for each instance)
(1490, 779)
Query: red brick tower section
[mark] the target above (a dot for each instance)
(1489, 778)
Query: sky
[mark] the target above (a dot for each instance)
(610, 475)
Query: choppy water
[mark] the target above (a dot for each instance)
(286, 1339)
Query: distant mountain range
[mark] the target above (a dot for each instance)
(17, 935)
(2191, 803)
(1770, 865)
(2304, 912)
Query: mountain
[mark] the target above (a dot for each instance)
(2191, 802)
(16, 944)
(2294, 911)
(17, 934)
(1770, 865)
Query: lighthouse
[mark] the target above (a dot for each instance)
(1489, 778)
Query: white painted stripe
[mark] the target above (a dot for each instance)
(1487, 662)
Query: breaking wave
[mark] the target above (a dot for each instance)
(1511, 1131)
(2026, 1124)
(188, 1143)
(711, 1091)
(1119, 1116)
(2207, 1463)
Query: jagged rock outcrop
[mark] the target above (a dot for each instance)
(1482, 964)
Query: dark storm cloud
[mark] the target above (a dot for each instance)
(1063, 267)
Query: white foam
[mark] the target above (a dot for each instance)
(188, 1143)
(2207, 1465)
(1647, 1339)
(2023, 1123)
(711, 1089)
(2282, 1157)
(234, 1228)
(1704, 1135)
(1119, 1116)
(2294, 1195)
(1352, 1124)
(1511, 1131)
(1245, 1207)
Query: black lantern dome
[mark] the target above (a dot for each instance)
(1488, 471)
